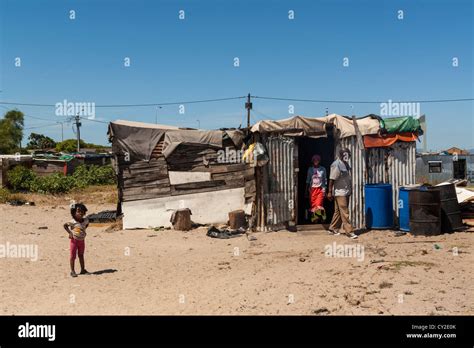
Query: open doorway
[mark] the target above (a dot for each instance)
(459, 169)
(307, 147)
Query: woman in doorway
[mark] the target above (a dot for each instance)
(316, 183)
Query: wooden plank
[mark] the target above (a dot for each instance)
(228, 185)
(249, 173)
(144, 176)
(250, 186)
(199, 184)
(153, 183)
(175, 192)
(226, 168)
(158, 172)
(234, 183)
(173, 161)
(187, 176)
(145, 192)
(159, 162)
(227, 176)
(139, 197)
(146, 189)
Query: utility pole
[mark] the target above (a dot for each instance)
(156, 114)
(248, 106)
(62, 130)
(78, 127)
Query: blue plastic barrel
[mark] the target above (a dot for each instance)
(378, 206)
(404, 209)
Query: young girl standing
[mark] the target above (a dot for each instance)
(316, 183)
(77, 234)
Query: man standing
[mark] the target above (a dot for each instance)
(340, 189)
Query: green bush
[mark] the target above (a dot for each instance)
(54, 183)
(94, 175)
(21, 178)
(24, 179)
(4, 195)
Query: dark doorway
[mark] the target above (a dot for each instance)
(307, 147)
(459, 169)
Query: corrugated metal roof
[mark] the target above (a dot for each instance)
(143, 124)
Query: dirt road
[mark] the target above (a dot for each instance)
(171, 272)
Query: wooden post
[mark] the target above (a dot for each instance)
(181, 219)
(237, 219)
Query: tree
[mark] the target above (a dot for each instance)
(69, 145)
(11, 131)
(40, 141)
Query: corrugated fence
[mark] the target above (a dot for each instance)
(395, 165)
(280, 197)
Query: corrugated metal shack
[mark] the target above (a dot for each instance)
(439, 167)
(291, 142)
(163, 168)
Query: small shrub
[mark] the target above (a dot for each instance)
(24, 179)
(54, 183)
(4, 195)
(94, 175)
(21, 178)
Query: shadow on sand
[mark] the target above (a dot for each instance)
(104, 271)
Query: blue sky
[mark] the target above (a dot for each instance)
(82, 60)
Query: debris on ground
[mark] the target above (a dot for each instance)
(214, 232)
(18, 202)
(384, 285)
(322, 310)
(103, 216)
(43, 228)
(115, 226)
(376, 261)
(251, 237)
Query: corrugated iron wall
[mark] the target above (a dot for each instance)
(395, 165)
(276, 188)
(356, 202)
(280, 194)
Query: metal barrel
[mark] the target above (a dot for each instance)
(378, 206)
(451, 219)
(425, 212)
(404, 209)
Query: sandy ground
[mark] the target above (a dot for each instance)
(172, 272)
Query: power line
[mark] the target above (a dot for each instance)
(30, 116)
(93, 120)
(257, 97)
(364, 102)
(42, 126)
(133, 105)
(261, 114)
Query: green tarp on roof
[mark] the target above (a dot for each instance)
(400, 124)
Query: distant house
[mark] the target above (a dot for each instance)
(46, 163)
(456, 150)
(453, 163)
